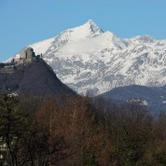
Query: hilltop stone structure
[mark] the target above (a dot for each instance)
(28, 55)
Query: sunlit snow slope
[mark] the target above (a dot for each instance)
(88, 59)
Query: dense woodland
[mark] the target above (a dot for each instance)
(75, 132)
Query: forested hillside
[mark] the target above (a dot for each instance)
(42, 132)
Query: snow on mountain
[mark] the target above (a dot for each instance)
(88, 59)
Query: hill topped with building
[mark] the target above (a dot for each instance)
(29, 74)
(27, 56)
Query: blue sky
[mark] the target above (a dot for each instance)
(23, 22)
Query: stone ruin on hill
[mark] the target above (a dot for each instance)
(26, 56)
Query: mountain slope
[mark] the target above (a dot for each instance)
(34, 78)
(88, 59)
(153, 98)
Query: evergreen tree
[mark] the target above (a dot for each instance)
(12, 125)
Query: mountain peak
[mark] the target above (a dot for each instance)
(144, 39)
(92, 26)
(91, 23)
(87, 30)
(86, 58)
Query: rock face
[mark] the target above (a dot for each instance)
(33, 77)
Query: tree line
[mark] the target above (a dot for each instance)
(75, 132)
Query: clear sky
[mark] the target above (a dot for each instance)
(23, 22)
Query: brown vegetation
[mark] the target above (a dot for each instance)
(46, 132)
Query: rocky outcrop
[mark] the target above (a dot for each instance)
(31, 75)
(27, 56)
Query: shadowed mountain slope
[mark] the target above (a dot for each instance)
(153, 98)
(32, 76)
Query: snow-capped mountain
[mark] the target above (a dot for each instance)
(88, 59)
